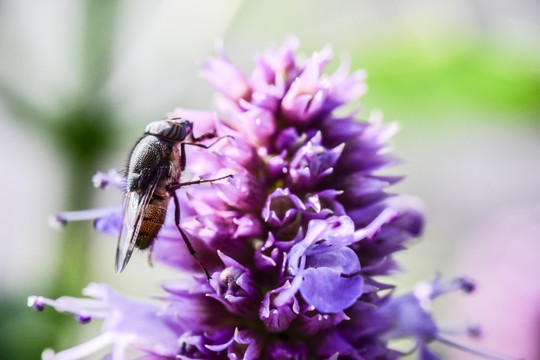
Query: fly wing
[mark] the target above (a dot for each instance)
(135, 204)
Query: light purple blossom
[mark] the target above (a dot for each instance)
(127, 323)
(293, 241)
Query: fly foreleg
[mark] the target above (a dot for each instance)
(195, 143)
(175, 186)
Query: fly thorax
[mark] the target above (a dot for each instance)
(149, 159)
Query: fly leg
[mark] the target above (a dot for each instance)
(207, 135)
(195, 143)
(171, 189)
(151, 250)
(183, 233)
(175, 186)
(204, 136)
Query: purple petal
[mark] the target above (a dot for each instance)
(253, 342)
(328, 291)
(426, 354)
(112, 177)
(281, 207)
(287, 138)
(343, 260)
(203, 121)
(286, 350)
(248, 225)
(277, 318)
(110, 224)
(310, 321)
(226, 78)
(408, 318)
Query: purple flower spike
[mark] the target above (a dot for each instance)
(299, 243)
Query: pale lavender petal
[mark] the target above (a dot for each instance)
(328, 291)
(343, 260)
(226, 78)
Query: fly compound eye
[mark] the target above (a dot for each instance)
(170, 130)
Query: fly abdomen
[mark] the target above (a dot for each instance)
(153, 219)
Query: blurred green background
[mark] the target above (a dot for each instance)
(80, 79)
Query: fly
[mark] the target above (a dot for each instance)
(155, 165)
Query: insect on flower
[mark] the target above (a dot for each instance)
(155, 165)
